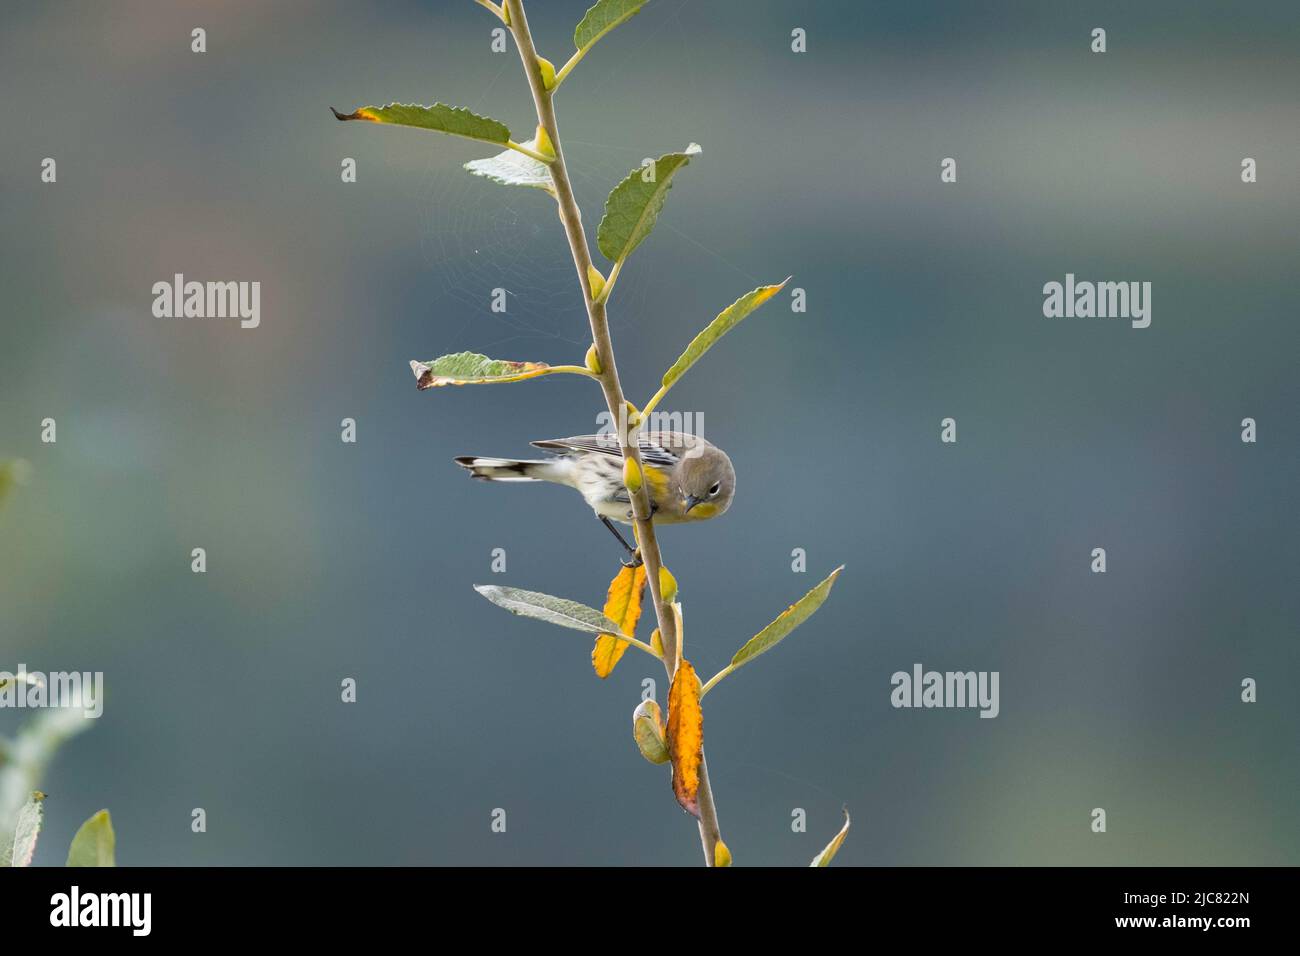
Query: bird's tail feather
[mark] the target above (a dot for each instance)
(508, 469)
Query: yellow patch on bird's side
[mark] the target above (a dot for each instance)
(657, 478)
(623, 607)
(686, 737)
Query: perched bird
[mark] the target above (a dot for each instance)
(688, 478)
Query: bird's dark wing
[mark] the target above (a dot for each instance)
(652, 452)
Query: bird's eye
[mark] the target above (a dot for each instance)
(717, 486)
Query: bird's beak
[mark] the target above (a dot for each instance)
(692, 501)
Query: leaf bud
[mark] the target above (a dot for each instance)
(596, 281)
(631, 475)
(667, 585)
(648, 731)
(547, 69)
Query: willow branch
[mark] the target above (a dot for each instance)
(571, 216)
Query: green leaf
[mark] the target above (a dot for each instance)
(553, 610)
(727, 319)
(94, 843)
(826, 855)
(633, 206)
(513, 168)
(439, 117)
(470, 368)
(26, 831)
(789, 619)
(603, 17)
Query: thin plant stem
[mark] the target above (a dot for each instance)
(530, 153)
(571, 216)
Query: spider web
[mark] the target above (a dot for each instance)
(477, 236)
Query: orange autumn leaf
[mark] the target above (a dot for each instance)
(686, 737)
(622, 606)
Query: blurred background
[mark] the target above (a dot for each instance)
(329, 560)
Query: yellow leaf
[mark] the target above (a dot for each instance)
(686, 737)
(656, 643)
(721, 855)
(825, 856)
(623, 607)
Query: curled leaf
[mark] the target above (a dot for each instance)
(513, 168)
(721, 855)
(623, 606)
(471, 368)
(545, 607)
(633, 207)
(828, 853)
(686, 737)
(94, 843)
(648, 731)
(440, 118)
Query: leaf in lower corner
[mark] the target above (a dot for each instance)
(471, 368)
(633, 207)
(546, 607)
(513, 168)
(826, 855)
(788, 620)
(622, 606)
(94, 843)
(440, 118)
(26, 830)
(686, 737)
